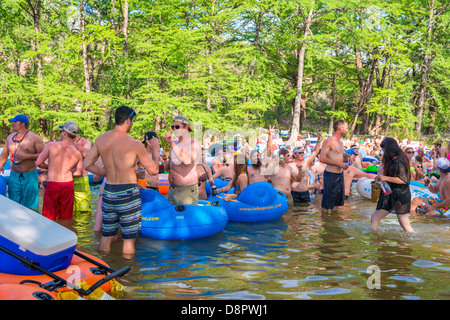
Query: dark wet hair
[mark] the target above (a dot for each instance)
(123, 113)
(391, 151)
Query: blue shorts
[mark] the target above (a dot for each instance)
(121, 207)
(23, 188)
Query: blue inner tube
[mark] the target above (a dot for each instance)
(259, 201)
(162, 220)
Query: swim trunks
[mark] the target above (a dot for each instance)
(58, 200)
(441, 210)
(300, 196)
(333, 190)
(121, 207)
(23, 188)
(183, 195)
(82, 194)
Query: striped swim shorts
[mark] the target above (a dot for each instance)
(121, 207)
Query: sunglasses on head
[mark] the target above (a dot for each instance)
(130, 114)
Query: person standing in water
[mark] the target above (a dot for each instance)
(332, 154)
(396, 173)
(184, 157)
(121, 199)
(62, 158)
(24, 148)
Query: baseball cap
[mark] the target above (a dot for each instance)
(443, 164)
(351, 151)
(184, 120)
(148, 135)
(19, 117)
(70, 127)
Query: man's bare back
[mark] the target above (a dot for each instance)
(64, 161)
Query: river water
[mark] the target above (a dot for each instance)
(304, 255)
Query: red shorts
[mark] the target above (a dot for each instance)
(58, 200)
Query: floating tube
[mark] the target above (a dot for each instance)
(369, 158)
(364, 188)
(9, 291)
(219, 183)
(3, 186)
(162, 220)
(372, 169)
(258, 202)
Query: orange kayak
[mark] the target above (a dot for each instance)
(79, 277)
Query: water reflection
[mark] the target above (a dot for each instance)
(303, 255)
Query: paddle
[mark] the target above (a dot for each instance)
(33, 265)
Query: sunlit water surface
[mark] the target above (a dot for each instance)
(303, 255)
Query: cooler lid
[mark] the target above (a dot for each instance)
(32, 231)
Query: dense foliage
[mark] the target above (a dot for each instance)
(383, 65)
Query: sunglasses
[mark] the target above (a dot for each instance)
(130, 114)
(410, 152)
(177, 126)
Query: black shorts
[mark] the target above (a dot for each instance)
(300, 196)
(333, 190)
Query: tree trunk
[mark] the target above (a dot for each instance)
(301, 64)
(125, 27)
(87, 82)
(425, 68)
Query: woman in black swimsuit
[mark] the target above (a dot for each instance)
(397, 174)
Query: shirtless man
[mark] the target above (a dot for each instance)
(152, 180)
(24, 148)
(82, 202)
(332, 155)
(440, 206)
(300, 189)
(282, 176)
(121, 200)
(64, 163)
(185, 154)
(358, 156)
(352, 173)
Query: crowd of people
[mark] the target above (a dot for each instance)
(301, 171)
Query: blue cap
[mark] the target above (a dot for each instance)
(351, 151)
(19, 117)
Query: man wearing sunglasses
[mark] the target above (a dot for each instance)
(121, 199)
(185, 154)
(300, 189)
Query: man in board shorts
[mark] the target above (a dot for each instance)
(121, 200)
(332, 155)
(62, 158)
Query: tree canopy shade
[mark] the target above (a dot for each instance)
(382, 65)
